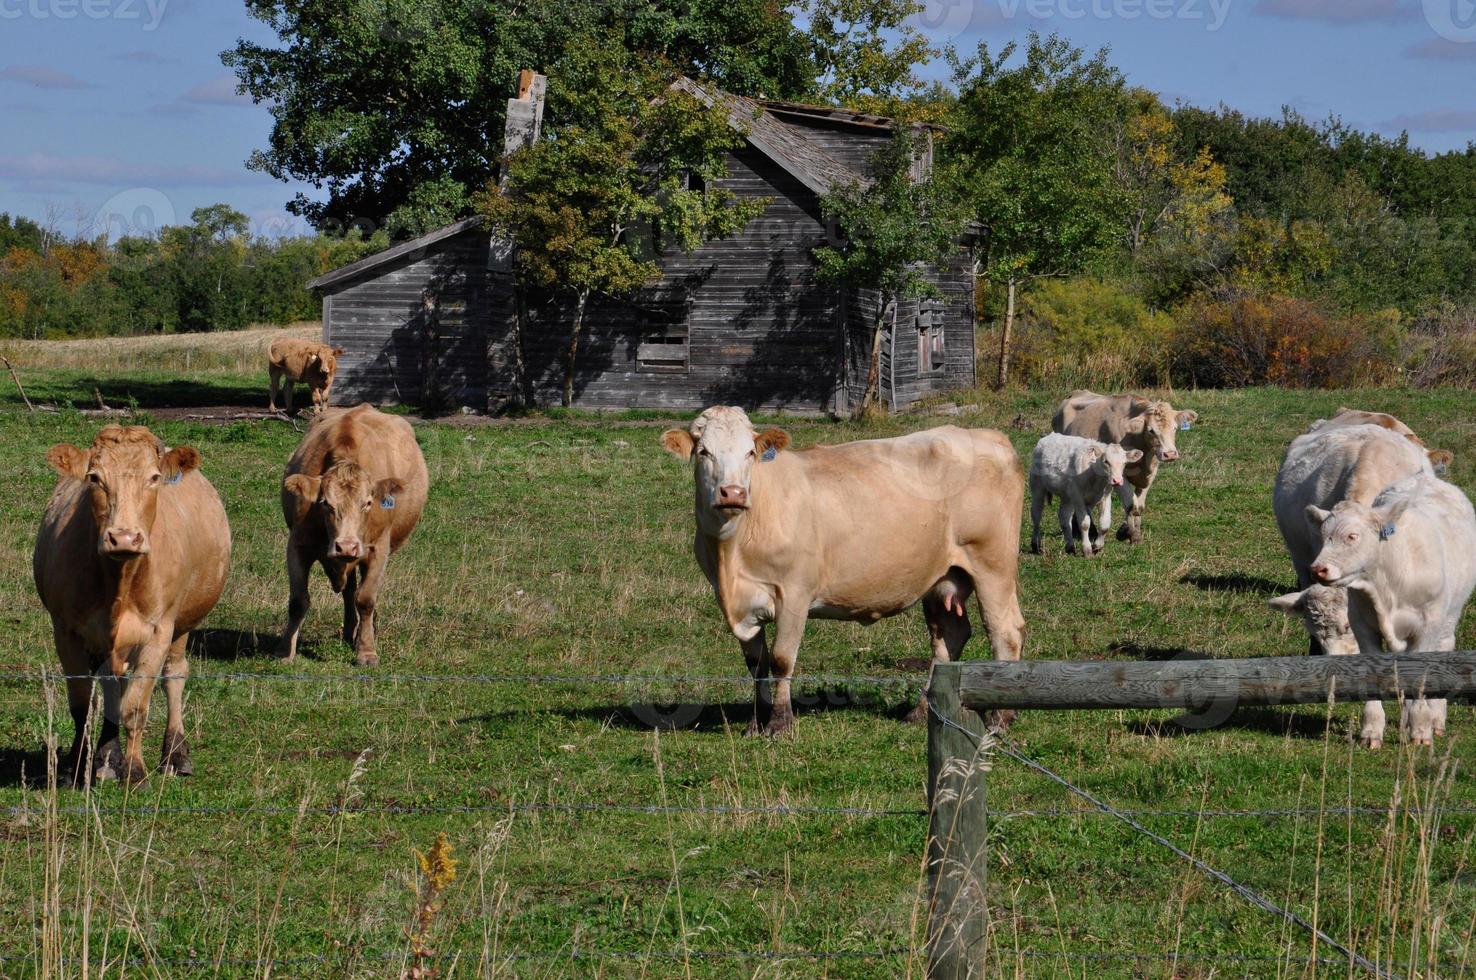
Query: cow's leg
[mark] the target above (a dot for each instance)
(276, 377)
(949, 629)
(1370, 640)
(78, 667)
(365, 598)
(298, 566)
(107, 760)
(999, 604)
(1125, 494)
(287, 385)
(137, 693)
(350, 603)
(1065, 516)
(789, 629)
(1100, 521)
(175, 758)
(1037, 508)
(1423, 718)
(1082, 520)
(756, 655)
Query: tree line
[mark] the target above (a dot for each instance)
(1159, 239)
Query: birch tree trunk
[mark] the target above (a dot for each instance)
(873, 371)
(1005, 335)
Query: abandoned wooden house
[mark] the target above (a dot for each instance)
(738, 321)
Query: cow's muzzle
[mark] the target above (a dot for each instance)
(122, 542)
(1117, 481)
(1325, 573)
(347, 548)
(731, 497)
(1169, 455)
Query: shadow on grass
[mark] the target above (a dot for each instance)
(229, 644)
(706, 717)
(1244, 584)
(23, 767)
(123, 391)
(1138, 651)
(1271, 721)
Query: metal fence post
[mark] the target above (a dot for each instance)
(958, 914)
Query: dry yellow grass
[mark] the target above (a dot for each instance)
(235, 351)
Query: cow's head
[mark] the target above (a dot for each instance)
(1159, 426)
(352, 510)
(1440, 459)
(124, 470)
(723, 447)
(321, 365)
(1352, 534)
(1324, 611)
(1110, 460)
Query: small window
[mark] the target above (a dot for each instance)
(931, 355)
(662, 354)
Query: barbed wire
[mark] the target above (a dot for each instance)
(550, 679)
(1004, 746)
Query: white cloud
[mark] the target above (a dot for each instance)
(39, 76)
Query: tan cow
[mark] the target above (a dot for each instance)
(302, 361)
(1439, 458)
(352, 493)
(132, 554)
(858, 531)
(1133, 422)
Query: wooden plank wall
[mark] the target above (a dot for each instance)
(379, 322)
(760, 332)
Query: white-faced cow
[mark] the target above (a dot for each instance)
(131, 555)
(1408, 563)
(1133, 422)
(293, 361)
(1083, 473)
(352, 493)
(858, 531)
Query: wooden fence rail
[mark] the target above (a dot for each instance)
(958, 744)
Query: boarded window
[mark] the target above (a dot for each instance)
(662, 354)
(931, 356)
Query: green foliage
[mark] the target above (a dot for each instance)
(1081, 332)
(397, 107)
(208, 275)
(1032, 149)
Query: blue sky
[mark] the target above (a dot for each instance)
(121, 107)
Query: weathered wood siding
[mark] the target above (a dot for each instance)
(379, 321)
(851, 145)
(910, 379)
(759, 331)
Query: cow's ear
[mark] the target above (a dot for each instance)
(67, 460)
(386, 490)
(1316, 515)
(678, 442)
(1190, 417)
(1095, 453)
(179, 461)
(1136, 425)
(1440, 460)
(1289, 603)
(1388, 515)
(338, 352)
(312, 361)
(302, 486)
(775, 439)
(1133, 455)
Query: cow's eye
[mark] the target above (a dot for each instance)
(752, 453)
(154, 480)
(701, 451)
(1352, 536)
(367, 504)
(94, 477)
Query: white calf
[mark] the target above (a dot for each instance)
(1083, 473)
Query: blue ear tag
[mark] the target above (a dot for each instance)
(1386, 532)
(388, 503)
(770, 454)
(175, 478)
(1185, 425)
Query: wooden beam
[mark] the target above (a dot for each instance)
(1195, 684)
(958, 919)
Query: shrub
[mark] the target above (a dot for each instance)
(1244, 339)
(1085, 332)
(1441, 349)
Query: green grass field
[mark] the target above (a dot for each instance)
(560, 546)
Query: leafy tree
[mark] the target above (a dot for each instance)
(890, 226)
(582, 203)
(396, 107)
(1032, 148)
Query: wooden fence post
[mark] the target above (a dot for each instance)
(958, 914)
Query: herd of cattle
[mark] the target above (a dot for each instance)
(1384, 549)
(134, 546)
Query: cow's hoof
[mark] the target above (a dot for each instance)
(918, 714)
(1035, 548)
(367, 659)
(1000, 721)
(134, 771)
(71, 772)
(109, 762)
(1372, 742)
(176, 760)
(755, 729)
(1123, 534)
(286, 653)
